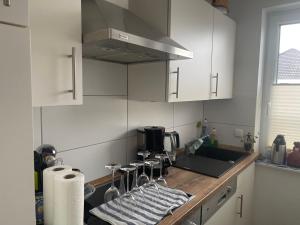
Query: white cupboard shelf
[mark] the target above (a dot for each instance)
(200, 28)
(56, 52)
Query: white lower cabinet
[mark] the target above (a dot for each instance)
(245, 190)
(238, 209)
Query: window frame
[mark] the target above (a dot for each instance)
(274, 20)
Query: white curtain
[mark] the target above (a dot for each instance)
(284, 115)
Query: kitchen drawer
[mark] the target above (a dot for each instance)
(14, 12)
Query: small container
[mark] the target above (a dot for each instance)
(223, 5)
(293, 158)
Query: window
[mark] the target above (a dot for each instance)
(282, 82)
(288, 70)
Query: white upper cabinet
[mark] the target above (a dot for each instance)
(191, 25)
(194, 26)
(222, 56)
(14, 12)
(56, 52)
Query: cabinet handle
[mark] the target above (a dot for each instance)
(241, 206)
(73, 56)
(217, 84)
(7, 3)
(177, 82)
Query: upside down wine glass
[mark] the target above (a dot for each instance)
(113, 192)
(161, 180)
(128, 169)
(152, 183)
(143, 178)
(135, 187)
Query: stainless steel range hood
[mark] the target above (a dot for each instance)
(114, 34)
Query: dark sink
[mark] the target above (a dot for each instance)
(221, 154)
(210, 161)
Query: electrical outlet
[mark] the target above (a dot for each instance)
(239, 132)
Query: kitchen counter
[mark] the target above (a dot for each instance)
(201, 186)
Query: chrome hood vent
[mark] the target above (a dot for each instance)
(114, 34)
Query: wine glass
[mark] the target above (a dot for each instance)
(152, 163)
(161, 180)
(128, 169)
(143, 178)
(113, 192)
(135, 186)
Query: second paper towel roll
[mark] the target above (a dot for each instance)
(69, 198)
(48, 186)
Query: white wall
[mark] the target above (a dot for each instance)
(103, 129)
(277, 198)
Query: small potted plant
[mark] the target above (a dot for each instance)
(249, 141)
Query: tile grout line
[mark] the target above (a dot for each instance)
(119, 139)
(100, 143)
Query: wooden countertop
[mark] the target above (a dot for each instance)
(201, 186)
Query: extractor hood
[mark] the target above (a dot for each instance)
(112, 33)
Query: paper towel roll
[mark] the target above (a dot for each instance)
(69, 198)
(48, 189)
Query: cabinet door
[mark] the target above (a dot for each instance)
(56, 69)
(226, 215)
(14, 12)
(222, 56)
(246, 189)
(16, 127)
(191, 25)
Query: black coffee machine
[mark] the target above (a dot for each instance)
(156, 140)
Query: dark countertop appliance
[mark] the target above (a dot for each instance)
(157, 141)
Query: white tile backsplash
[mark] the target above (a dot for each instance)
(225, 133)
(37, 128)
(91, 160)
(99, 119)
(187, 112)
(187, 133)
(102, 130)
(103, 78)
(149, 114)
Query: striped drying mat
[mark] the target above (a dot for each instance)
(149, 209)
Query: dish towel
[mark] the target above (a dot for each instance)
(148, 209)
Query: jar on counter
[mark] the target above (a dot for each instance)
(293, 158)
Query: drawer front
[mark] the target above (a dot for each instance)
(14, 12)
